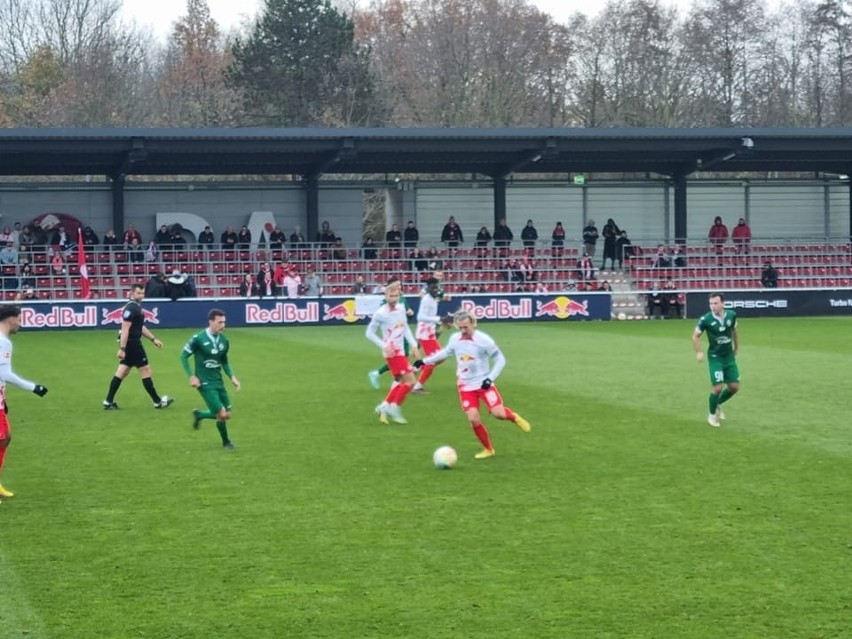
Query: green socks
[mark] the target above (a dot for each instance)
(223, 431)
(384, 369)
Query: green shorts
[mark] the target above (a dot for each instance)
(216, 398)
(723, 370)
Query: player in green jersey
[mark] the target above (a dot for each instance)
(721, 328)
(210, 349)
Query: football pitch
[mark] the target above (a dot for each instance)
(622, 514)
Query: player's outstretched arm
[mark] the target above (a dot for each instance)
(696, 344)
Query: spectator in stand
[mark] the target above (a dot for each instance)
(244, 239)
(393, 238)
(661, 259)
(512, 271)
(313, 283)
(206, 239)
(610, 234)
(527, 267)
(163, 235)
(503, 237)
(741, 237)
(410, 236)
(277, 239)
(177, 242)
(6, 236)
(27, 277)
(325, 236)
(129, 235)
(278, 276)
(434, 259)
(339, 251)
(769, 276)
(297, 238)
(605, 286)
(557, 245)
(228, 239)
(90, 239)
(590, 238)
(177, 286)
(529, 236)
(418, 261)
(359, 287)
(658, 302)
(452, 234)
(29, 294)
(155, 288)
(679, 255)
(16, 234)
(57, 263)
(135, 251)
(368, 249)
(541, 288)
(718, 235)
(623, 249)
(9, 254)
(673, 300)
(249, 287)
(152, 252)
(61, 239)
(110, 240)
(292, 282)
(265, 281)
(585, 268)
(27, 239)
(482, 240)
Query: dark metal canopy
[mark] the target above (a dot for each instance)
(493, 152)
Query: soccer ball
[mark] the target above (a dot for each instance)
(445, 457)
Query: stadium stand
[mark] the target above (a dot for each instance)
(218, 273)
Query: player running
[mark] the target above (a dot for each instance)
(391, 322)
(723, 345)
(374, 375)
(428, 322)
(479, 362)
(210, 349)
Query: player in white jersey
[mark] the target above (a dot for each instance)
(10, 322)
(391, 322)
(428, 322)
(478, 363)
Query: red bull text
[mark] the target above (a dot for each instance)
(282, 313)
(498, 309)
(59, 317)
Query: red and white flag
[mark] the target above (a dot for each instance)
(81, 262)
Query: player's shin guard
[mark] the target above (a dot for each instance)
(482, 435)
(398, 393)
(713, 402)
(426, 373)
(114, 384)
(222, 427)
(148, 383)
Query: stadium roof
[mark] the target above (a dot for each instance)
(493, 152)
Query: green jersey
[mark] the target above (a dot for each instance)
(720, 333)
(211, 358)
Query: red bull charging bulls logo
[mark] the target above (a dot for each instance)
(345, 311)
(115, 316)
(561, 308)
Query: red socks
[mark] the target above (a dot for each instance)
(397, 394)
(482, 435)
(426, 373)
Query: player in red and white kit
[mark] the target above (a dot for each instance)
(10, 322)
(428, 321)
(479, 362)
(390, 321)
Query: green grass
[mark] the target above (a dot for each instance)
(622, 514)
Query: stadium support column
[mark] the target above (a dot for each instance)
(118, 203)
(311, 208)
(680, 207)
(499, 199)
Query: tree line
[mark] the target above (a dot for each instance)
(441, 63)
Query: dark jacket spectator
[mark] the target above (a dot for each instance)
(679, 255)
(229, 238)
(623, 248)
(90, 239)
(338, 250)
(661, 259)
(277, 238)
(110, 239)
(529, 235)
(62, 239)
(483, 238)
(249, 287)
(244, 239)
(410, 236)
(297, 238)
(610, 233)
(162, 236)
(452, 234)
(325, 236)
(156, 286)
(557, 239)
(419, 262)
(206, 238)
(769, 276)
(368, 249)
(265, 281)
(393, 238)
(590, 238)
(359, 287)
(503, 235)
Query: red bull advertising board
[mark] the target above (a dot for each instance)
(331, 311)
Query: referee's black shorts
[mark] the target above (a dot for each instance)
(134, 355)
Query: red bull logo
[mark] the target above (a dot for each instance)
(345, 312)
(561, 308)
(498, 309)
(59, 317)
(282, 313)
(116, 315)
